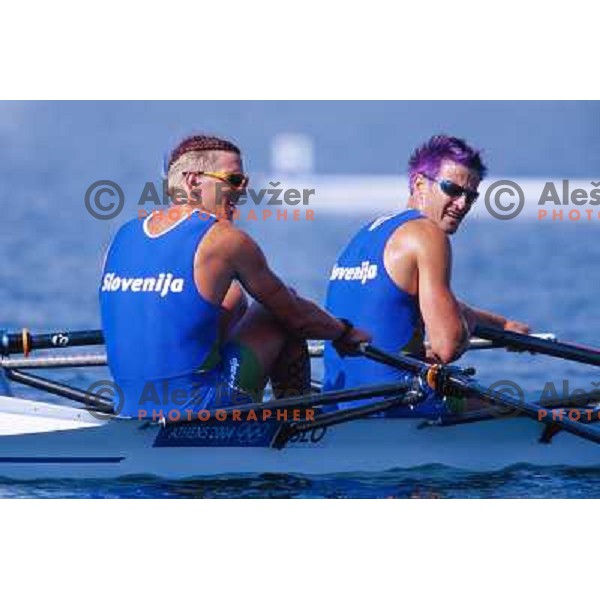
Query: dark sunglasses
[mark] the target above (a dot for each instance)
(232, 178)
(454, 190)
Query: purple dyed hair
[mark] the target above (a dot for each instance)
(428, 158)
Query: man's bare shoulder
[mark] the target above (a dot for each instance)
(226, 239)
(419, 234)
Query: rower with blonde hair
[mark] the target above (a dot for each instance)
(199, 346)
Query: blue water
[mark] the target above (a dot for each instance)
(541, 273)
(520, 481)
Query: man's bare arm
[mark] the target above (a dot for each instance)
(446, 326)
(233, 307)
(300, 315)
(484, 317)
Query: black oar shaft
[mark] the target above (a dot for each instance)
(407, 363)
(588, 356)
(532, 410)
(92, 401)
(342, 416)
(24, 342)
(321, 399)
(451, 381)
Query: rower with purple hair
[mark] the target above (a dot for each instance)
(393, 278)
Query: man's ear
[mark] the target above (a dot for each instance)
(192, 180)
(419, 182)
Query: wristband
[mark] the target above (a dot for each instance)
(348, 327)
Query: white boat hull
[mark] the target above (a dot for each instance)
(45, 441)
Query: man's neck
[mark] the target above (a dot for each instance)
(167, 218)
(412, 203)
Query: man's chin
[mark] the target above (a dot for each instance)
(451, 226)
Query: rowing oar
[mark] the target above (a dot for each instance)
(408, 398)
(94, 402)
(529, 343)
(316, 349)
(24, 342)
(389, 390)
(456, 381)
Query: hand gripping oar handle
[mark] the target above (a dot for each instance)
(458, 381)
(519, 341)
(24, 341)
(433, 374)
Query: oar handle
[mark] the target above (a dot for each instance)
(529, 343)
(478, 343)
(24, 341)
